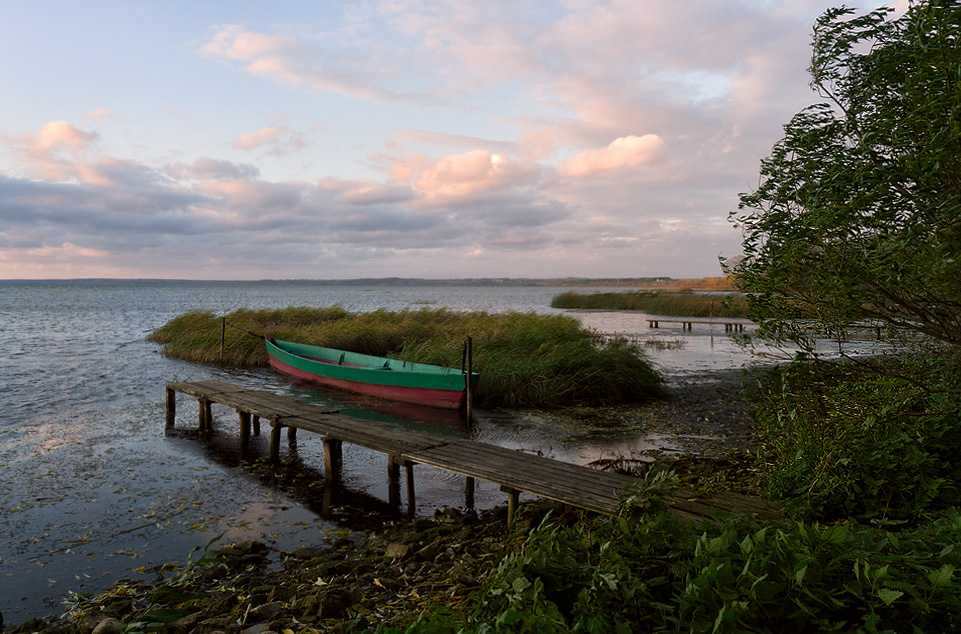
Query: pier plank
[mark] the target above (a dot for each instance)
(515, 471)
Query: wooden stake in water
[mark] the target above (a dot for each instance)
(468, 377)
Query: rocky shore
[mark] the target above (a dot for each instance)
(384, 576)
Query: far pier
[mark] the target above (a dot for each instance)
(686, 323)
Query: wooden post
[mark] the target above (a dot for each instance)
(411, 498)
(276, 426)
(393, 479)
(470, 375)
(205, 415)
(292, 435)
(329, 489)
(223, 334)
(333, 458)
(255, 421)
(244, 426)
(512, 500)
(171, 408)
(469, 493)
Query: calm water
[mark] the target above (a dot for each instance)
(94, 489)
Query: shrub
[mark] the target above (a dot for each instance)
(844, 441)
(650, 573)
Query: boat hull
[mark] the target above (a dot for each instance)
(375, 376)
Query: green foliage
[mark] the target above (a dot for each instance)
(845, 440)
(685, 304)
(523, 359)
(858, 215)
(649, 573)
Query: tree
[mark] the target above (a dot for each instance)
(858, 212)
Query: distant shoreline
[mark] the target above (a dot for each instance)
(627, 282)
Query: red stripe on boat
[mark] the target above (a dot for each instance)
(449, 399)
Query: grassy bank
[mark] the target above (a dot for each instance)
(682, 304)
(523, 359)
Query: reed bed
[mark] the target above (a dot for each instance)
(524, 359)
(680, 304)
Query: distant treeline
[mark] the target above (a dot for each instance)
(703, 283)
(682, 304)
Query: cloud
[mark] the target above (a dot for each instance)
(371, 194)
(264, 136)
(54, 152)
(279, 140)
(60, 134)
(457, 130)
(98, 114)
(629, 151)
(290, 60)
(208, 169)
(475, 171)
(233, 42)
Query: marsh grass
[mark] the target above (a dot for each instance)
(685, 304)
(524, 359)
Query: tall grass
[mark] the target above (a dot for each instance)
(524, 359)
(685, 304)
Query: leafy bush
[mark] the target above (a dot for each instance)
(650, 573)
(844, 441)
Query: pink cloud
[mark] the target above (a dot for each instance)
(41, 155)
(479, 170)
(255, 194)
(264, 136)
(233, 42)
(279, 140)
(58, 134)
(98, 114)
(289, 60)
(66, 251)
(628, 151)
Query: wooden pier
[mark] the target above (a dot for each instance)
(686, 323)
(514, 471)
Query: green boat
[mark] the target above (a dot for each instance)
(393, 379)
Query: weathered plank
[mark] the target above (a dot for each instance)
(583, 487)
(514, 471)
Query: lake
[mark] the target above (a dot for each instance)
(95, 491)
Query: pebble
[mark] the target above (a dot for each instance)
(109, 626)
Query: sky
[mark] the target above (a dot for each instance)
(315, 139)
